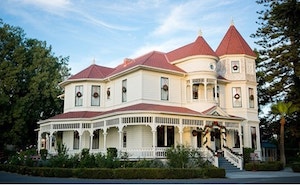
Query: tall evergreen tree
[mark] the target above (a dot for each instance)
(29, 77)
(278, 66)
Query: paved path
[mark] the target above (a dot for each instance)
(285, 176)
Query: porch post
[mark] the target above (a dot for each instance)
(180, 135)
(104, 139)
(80, 140)
(91, 140)
(120, 139)
(154, 141)
(50, 141)
(39, 141)
(241, 137)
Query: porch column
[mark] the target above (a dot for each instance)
(154, 141)
(39, 142)
(180, 135)
(104, 140)
(91, 140)
(120, 139)
(50, 141)
(80, 141)
(241, 137)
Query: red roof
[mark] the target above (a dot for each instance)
(199, 47)
(137, 107)
(78, 114)
(153, 59)
(93, 71)
(234, 43)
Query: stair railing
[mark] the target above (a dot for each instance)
(211, 156)
(235, 159)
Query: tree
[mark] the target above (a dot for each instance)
(278, 64)
(29, 77)
(283, 110)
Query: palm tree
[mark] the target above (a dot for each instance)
(283, 110)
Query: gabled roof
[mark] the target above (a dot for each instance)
(136, 107)
(234, 43)
(153, 59)
(199, 47)
(93, 71)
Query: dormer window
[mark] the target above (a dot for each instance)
(235, 66)
(164, 88)
(95, 95)
(78, 95)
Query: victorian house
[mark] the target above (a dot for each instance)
(192, 96)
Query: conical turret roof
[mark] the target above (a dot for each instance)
(234, 43)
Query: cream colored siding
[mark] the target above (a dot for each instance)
(112, 137)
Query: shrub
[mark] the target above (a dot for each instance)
(264, 166)
(43, 153)
(246, 154)
(112, 153)
(178, 156)
(296, 167)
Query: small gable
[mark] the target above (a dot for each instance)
(215, 111)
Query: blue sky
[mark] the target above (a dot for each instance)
(109, 31)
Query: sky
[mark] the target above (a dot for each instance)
(106, 32)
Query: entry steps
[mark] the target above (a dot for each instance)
(223, 163)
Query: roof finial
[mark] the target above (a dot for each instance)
(94, 61)
(231, 23)
(200, 33)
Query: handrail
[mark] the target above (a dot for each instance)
(233, 157)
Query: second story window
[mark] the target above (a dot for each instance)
(251, 98)
(237, 98)
(195, 91)
(78, 95)
(164, 88)
(124, 90)
(95, 92)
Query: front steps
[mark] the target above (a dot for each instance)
(223, 163)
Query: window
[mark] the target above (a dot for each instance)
(124, 90)
(76, 141)
(251, 98)
(236, 97)
(78, 95)
(235, 66)
(253, 138)
(108, 93)
(124, 139)
(95, 144)
(95, 100)
(164, 88)
(195, 91)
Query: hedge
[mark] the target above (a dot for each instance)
(118, 173)
(264, 166)
(296, 167)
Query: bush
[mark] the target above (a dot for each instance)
(264, 166)
(296, 167)
(178, 156)
(120, 173)
(246, 154)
